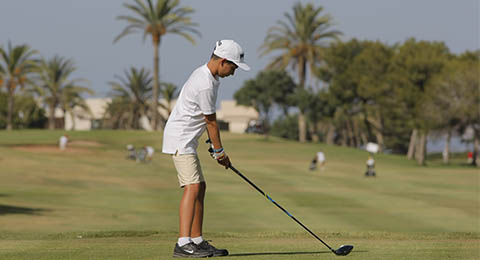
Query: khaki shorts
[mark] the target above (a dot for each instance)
(188, 169)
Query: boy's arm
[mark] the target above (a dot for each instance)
(214, 135)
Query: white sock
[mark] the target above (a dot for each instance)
(183, 241)
(197, 240)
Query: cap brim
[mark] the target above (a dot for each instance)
(243, 66)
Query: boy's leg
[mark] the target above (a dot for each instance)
(197, 223)
(189, 206)
(196, 231)
(187, 210)
(191, 179)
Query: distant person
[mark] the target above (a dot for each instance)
(321, 160)
(150, 152)
(62, 143)
(470, 157)
(132, 154)
(141, 154)
(194, 112)
(255, 127)
(313, 164)
(318, 159)
(370, 167)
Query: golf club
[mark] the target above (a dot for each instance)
(342, 250)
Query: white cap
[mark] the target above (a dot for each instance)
(230, 50)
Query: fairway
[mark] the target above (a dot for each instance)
(89, 202)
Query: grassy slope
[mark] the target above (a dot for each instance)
(48, 200)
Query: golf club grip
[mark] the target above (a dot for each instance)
(278, 205)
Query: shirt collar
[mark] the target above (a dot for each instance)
(214, 79)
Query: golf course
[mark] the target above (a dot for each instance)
(90, 202)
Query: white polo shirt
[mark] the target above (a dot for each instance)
(320, 157)
(187, 122)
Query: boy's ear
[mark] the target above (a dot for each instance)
(223, 61)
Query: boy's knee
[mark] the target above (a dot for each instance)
(195, 188)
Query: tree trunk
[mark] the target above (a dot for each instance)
(376, 122)
(73, 120)
(349, 131)
(476, 143)
(379, 131)
(11, 101)
(51, 117)
(302, 129)
(356, 130)
(364, 138)
(266, 124)
(131, 120)
(380, 140)
(446, 150)
(330, 135)
(344, 141)
(314, 132)
(421, 149)
(156, 83)
(411, 145)
(367, 123)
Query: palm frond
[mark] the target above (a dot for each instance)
(132, 28)
(156, 20)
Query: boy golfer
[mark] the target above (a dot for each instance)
(193, 113)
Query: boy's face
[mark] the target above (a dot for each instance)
(226, 68)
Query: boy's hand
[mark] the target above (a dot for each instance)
(219, 155)
(225, 161)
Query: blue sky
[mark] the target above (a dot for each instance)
(84, 31)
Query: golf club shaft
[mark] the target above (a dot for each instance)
(278, 205)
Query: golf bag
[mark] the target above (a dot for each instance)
(370, 171)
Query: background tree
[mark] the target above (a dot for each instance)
(55, 85)
(301, 40)
(370, 70)
(169, 93)
(130, 99)
(117, 114)
(414, 65)
(314, 114)
(166, 16)
(286, 127)
(452, 103)
(303, 99)
(343, 102)
(18, 64)
(27, 113)
(269, 87)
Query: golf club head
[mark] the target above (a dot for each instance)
(344, 250)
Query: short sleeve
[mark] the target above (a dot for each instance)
(206, 101)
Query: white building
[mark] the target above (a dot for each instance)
(83, 120)
(237, 117)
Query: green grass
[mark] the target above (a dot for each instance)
(91, 203)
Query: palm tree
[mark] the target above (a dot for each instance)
(168, 92)
(55, 85)
(157, 20)
(131, 95)
(18, 64)
(301, 40)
